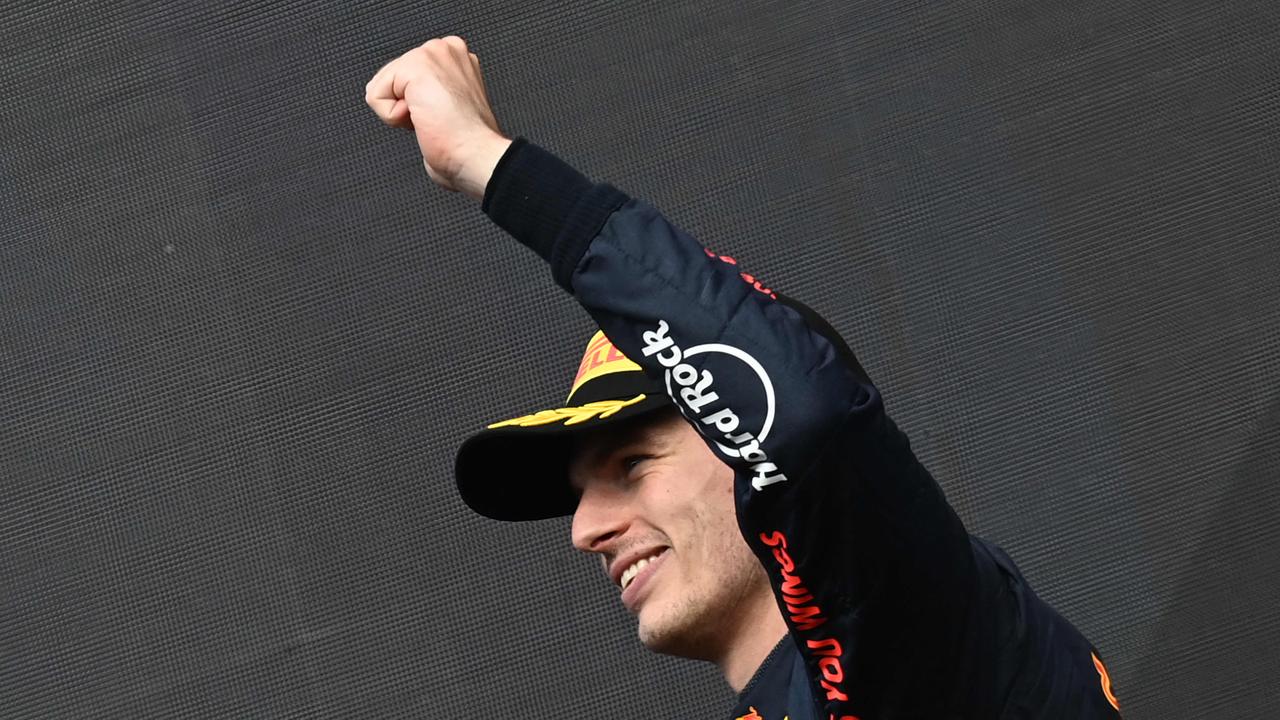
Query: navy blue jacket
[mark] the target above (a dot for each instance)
(894, 610)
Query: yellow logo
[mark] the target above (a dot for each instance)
(600, 358)
(570, 415)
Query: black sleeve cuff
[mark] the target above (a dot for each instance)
(549, 206)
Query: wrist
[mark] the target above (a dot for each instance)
(476, 171)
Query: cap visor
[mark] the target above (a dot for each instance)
(516, 472)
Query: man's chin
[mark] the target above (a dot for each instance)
(661, 633)
(661, 642)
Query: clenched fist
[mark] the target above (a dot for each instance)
(437, 91)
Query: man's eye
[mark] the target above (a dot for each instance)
(631, 461)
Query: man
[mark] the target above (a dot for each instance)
(731, 463)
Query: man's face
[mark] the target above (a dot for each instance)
(657, 506)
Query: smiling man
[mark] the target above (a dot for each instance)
(657, 505)
(726, 456)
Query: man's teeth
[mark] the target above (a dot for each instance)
(630, 573)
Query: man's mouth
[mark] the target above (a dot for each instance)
(636, 578)
(637, 567)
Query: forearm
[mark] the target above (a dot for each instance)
(657, 293)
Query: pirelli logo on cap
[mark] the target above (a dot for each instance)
(600, 358)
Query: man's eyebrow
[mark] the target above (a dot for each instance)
(606, 445)
(646, 434)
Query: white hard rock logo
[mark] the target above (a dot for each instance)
(693, 390)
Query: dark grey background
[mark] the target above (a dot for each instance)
(241, 333)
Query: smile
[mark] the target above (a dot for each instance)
(631, 572)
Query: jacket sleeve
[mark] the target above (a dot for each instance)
(870, 566)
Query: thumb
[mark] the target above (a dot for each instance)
(386, 100)
(398, 115)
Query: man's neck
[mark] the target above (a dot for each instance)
(752, 644)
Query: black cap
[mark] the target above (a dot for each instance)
(517, 469)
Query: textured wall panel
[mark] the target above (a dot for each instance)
(241, 334)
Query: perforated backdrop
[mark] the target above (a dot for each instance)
(241, 333)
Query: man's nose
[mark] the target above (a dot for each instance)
(602, 516)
